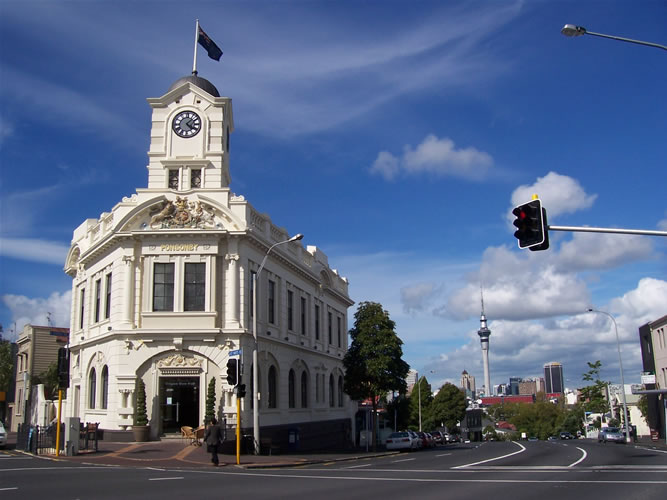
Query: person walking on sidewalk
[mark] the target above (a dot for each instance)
(214, 437)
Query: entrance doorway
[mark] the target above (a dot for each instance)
(179, 403)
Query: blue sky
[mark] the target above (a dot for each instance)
(396, 135)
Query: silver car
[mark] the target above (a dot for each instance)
(3, 436)
(611, 434)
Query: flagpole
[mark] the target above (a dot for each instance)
(194, 64)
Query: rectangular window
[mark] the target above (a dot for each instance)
(290, 310)
(163, 287)
(317, 322)
(82, 307)
(195, 178)
(330, 327)
(272, 302)
(98, 299)
(303, 315)
(173, 179)
(107, 303)
(338, 322)
(195, 286)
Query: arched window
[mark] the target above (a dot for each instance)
(105, 387)
(304, 390)
(92, 388)
(292, 389)
(331, 391)
(340, 391)
(273, 396)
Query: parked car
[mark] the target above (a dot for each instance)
(427, 440)
(552, 438)
(612, 434)
(533, 438)
(419, 443)
(438, 437)
(566, 435)
(3, 436)
(401, 441)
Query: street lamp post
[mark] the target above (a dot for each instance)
(255, 386)
(620, 364)
(570, 30)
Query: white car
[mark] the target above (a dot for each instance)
(3, 436)
(401, 441)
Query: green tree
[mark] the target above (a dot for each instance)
(421, 391)
(373, 363)
(50, 380)
(398, 410)
(140, 415)
(447, 408)
(210, 402)
(6, 366)
(594, 395)
(642, 404)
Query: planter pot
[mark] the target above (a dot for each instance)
(141, 433)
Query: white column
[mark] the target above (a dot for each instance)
(129, 287)
(232, 292)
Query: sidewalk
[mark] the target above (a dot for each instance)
(178, 453)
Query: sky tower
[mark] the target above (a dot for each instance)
(484, 333)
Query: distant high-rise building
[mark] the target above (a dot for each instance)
(553, 378)
(527, 387)
(468, 384)
(411, 379)
(513, 389)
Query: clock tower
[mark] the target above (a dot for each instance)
(190, 131)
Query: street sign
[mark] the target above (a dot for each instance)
(237, 352)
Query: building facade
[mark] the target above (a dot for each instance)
(553, 378)
(468, 384)
(162, 291)
(653, 343)
(37, 351)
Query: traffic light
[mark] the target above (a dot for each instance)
(240, 391)
(531, 222)
(63, 368)
(232, 371)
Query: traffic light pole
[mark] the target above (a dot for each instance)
(587, 229)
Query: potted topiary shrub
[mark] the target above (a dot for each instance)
(210, 402)
(140, 427)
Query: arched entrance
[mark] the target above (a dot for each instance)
(180, 379)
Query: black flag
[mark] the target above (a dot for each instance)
(213, 50)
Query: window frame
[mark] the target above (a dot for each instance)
(165, 284)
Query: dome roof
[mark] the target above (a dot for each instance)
(202, 83)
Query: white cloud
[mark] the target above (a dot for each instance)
(417, 297)
(37, 311)
(522, 347)
(560, 194)
(6, 130)
(601, 251)
(34, 250)
(434, 156)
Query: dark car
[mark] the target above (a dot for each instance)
(438, 437)
(566, 435)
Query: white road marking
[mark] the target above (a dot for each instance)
(7, 489)
(523, 448)
(357, 466)
(581, 459)
(404, 460)
(444, 455)
(164, 478)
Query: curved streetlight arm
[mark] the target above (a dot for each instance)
(620, 364)
(571, 30)
(255, 368)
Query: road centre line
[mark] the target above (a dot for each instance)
(357, 466)
(444, 455)
(583, 457)
(8, 489)
(438, 480)
(404, 460)
(523, 448)
(164, 478)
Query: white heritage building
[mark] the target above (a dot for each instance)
(161, 290)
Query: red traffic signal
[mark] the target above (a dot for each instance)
(531, 224)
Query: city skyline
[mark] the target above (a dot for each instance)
(398, 137)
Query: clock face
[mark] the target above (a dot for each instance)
(186, 124)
